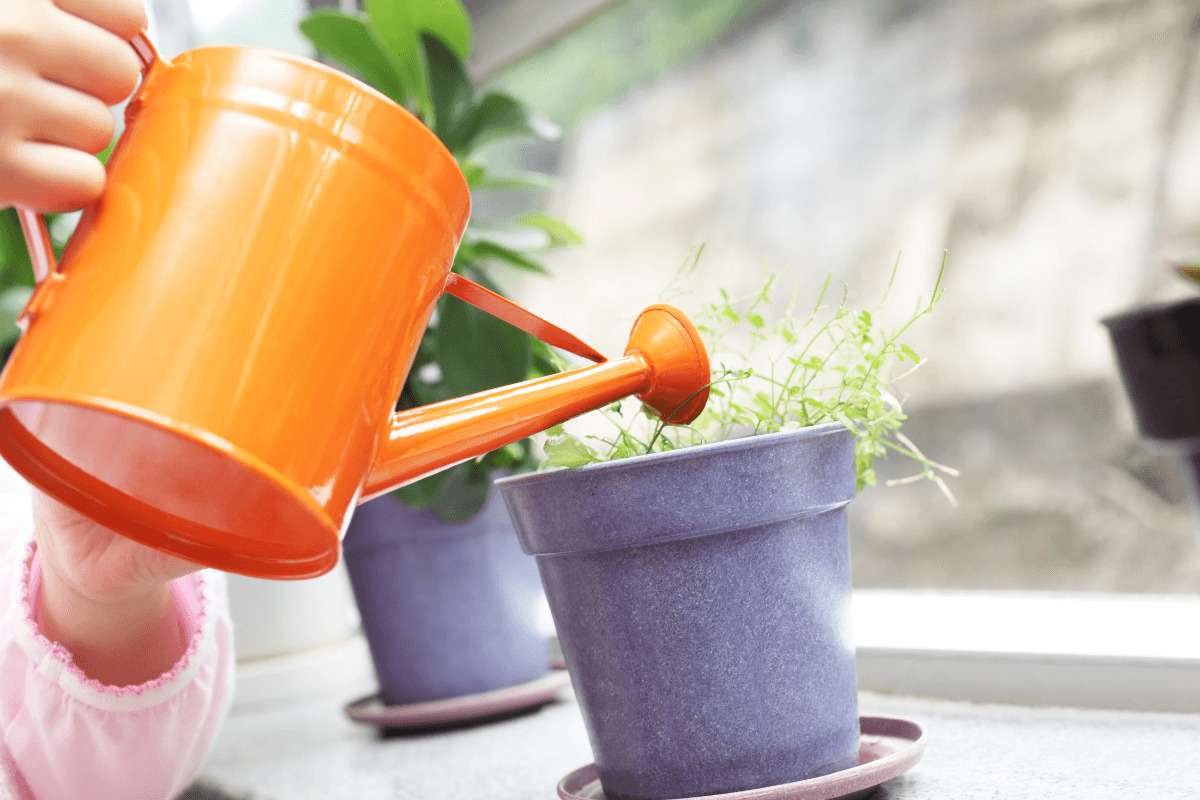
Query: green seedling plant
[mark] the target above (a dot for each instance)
(414, 51)
(833, 363)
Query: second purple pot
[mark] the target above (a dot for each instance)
(449, 609)
(1158, 352)
(701, 599)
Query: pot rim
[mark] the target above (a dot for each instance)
(683, 453)
(457, 199)
(664, 497)
(1134, 315)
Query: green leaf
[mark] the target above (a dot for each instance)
(507, 457)
(479, 178)
(15, 269)
(453, 495)
(499, 116)
(561, 234)
(486, 249)
(475, 174)
(545, 360)
(12, 302)
(450, 90)
(465, 255)
(463, 493)
(564, 450)
(399, 25)
(476, 351)
(423, 493)
(477, 273)
(105, 154)
(350, 40)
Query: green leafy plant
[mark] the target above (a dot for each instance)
(832, 363)
(16, 277)
(414, 52)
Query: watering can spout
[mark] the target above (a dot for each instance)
(665, 365)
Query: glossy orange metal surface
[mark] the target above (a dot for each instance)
(212, 368)
(678, 387)
(665, 364)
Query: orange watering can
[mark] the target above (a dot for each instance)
(212, 368)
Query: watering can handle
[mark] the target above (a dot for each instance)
(33, 225)
(504, 309)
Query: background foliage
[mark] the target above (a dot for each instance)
(414, 51)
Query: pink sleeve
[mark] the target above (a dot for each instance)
(67, 736)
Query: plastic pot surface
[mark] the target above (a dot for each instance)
(1158, 350)
(448, 609)
(701, 600)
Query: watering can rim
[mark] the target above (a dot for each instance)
(184, 59)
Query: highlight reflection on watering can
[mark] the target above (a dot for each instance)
(212, 368)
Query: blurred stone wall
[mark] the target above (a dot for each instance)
(1051, 148)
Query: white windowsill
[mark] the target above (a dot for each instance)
(1098, 651)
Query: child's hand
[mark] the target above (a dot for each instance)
(62, 63)
(106, 598)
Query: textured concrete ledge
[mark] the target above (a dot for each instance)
(975, 751)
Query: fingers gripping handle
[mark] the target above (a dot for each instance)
(33, 225)
(146, 51)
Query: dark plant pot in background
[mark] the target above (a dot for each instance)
(448, 609)
(1158, 350)
(701, 600)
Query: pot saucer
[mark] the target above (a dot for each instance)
(888, 747)
(452, 710)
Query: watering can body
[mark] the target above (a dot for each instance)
(213, 366)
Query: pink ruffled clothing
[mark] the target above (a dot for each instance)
(70, 737)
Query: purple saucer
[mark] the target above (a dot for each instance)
(888, 747)
(372, 711)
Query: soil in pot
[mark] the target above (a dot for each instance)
(449, 609)
(700, 598)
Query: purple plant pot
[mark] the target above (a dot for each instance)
(701, 600)
(448, 609)
(1158, 351)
